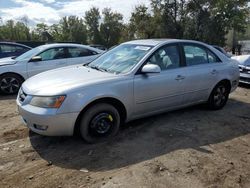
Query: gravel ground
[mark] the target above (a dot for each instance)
(192, 147)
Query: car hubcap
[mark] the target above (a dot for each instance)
(102, 123)
(9, 85)
(220, 95)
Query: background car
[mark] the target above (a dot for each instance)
(133, 80)
(13, 71)
(11, 49)
(244, 66)
(222, 50)
(98, 46)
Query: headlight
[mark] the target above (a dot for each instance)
(47, 102)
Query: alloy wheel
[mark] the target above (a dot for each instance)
(9, 85)
(220, 95)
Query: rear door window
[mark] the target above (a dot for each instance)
(7, 48)
(80, 52)
(197, 55)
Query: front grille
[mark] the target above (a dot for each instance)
(243, 69)
(21, 95)
(244, 79)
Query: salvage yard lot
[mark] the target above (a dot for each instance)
(192, 147)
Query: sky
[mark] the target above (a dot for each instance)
(51, 11)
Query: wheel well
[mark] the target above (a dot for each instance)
(115, 102)
(14, 74)
(227, 83)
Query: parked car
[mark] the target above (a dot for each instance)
(12, 49)
(13, 71)
(134, 80)
(98, 46)
(244, 66)
(222, 51)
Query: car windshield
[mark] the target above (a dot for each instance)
(121, 59)
(29, 54)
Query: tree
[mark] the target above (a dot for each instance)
(111, 27)
(92, 21)
(71, 29)
(141, 23)
(15, 31)
(168, 16)
(41, 32)
(210, 21)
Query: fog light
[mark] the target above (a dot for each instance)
(41, 127)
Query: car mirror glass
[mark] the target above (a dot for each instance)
(36, 59)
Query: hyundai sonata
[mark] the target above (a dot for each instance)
(133, 80)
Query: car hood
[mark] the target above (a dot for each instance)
(243, 60)
(63, 80)
(7, 61)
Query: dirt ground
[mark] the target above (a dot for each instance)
(193, 147)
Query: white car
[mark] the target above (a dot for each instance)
(13, 71)
(244, 66)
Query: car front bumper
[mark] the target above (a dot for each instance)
(47, 121)
(244, 78)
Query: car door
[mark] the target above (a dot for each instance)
(50, 59)
(80, 55)
(156, 92)
(201, 72)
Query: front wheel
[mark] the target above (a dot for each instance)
(10, 83)
(219, 96)
(99, 123)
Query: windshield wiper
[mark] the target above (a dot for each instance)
(96, 68)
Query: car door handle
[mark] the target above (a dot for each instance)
(179, 77)
(214, 71)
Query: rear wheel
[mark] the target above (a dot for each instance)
(100, 123)
(10, 83)
(219, 96)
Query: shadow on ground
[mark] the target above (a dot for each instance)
(7, 97)
(247, 86)
(148, 138)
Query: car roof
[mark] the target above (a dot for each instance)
(68, 45)
(155, 42)
(15, 44)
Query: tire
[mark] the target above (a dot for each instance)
(218, 97)
(99, 123)
(10, 83)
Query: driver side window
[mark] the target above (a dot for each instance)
(167, 57)
(54, 53)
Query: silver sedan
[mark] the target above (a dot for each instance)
(133, 80)
(244, 66)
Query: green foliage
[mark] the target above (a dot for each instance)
(111, 27)
(92, 21)
(14, 31)
(141, 23)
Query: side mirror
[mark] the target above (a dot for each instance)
(151, 68)
(36, 59)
